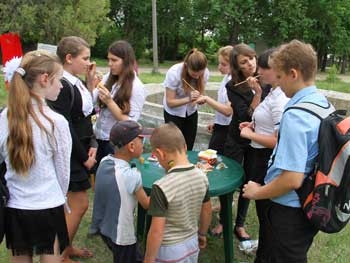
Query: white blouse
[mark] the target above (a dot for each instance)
(106, 120)
(267, 116)
(46, 184)
(173, 81)
(220, 118)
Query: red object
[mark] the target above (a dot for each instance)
(10, 44)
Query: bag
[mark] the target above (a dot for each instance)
(4, 196)
(325, 193)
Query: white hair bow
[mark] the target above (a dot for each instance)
(10, 67)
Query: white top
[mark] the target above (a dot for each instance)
(106, 120)
(173, 81)
(267, 115)
(220, 118)
(86, 96)
(46, 184)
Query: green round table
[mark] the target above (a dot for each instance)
(222, 182)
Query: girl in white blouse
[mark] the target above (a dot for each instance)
(35, 144)
(262, 132)
(121, 97)
(222, 106)
(184, 83)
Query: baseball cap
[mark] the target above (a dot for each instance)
(124, 132)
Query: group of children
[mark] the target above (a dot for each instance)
(284, 231)
(35, 143)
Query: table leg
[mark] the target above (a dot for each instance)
(227, 224)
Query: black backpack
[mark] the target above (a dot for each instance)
(325, 193)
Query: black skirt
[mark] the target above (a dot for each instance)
(33, 232)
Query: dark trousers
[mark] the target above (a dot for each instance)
(255, 167)
(187, 125)
(218, 138)
(285, 234)
(124, 254)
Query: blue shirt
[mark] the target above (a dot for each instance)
(115, 200)
(297, 146)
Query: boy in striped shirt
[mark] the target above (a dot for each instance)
(178, 200)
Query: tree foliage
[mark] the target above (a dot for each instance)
(184, 24)
(47, 21)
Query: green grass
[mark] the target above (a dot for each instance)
(326, 248)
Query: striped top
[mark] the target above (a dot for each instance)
(184, 188)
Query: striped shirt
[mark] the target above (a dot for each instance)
(184, 188)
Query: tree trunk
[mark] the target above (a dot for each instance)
(323, 62)
(343, 64)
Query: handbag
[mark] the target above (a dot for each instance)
(4, 195)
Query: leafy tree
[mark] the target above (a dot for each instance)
(133, 21)
(235, 21)
(47, 21)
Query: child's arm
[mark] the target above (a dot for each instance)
(154, 239)
(204, 223)
(225, 109)
(286, 182)
(142, 198)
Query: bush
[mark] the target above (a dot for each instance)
(332, 75)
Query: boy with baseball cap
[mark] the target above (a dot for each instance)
(118, 188)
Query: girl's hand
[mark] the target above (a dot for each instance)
(244, 124)
(104, 94)
(247, 132)
(92, 152)
(89, 163)
(90, 76)
(201, 100)
(210, 128)
(194, 95)
(254, 84)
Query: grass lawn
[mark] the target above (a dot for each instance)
(326, 248)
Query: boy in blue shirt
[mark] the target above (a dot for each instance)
(287, 233)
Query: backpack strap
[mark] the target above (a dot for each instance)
(314, 109)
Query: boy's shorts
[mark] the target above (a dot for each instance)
(184, 252)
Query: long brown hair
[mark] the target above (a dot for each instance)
(239, 49)
(195, 61)
(20, 109)
(123, 50)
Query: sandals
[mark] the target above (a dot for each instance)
(217, 234)
(239, 237)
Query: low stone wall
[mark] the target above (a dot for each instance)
(152, 114)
